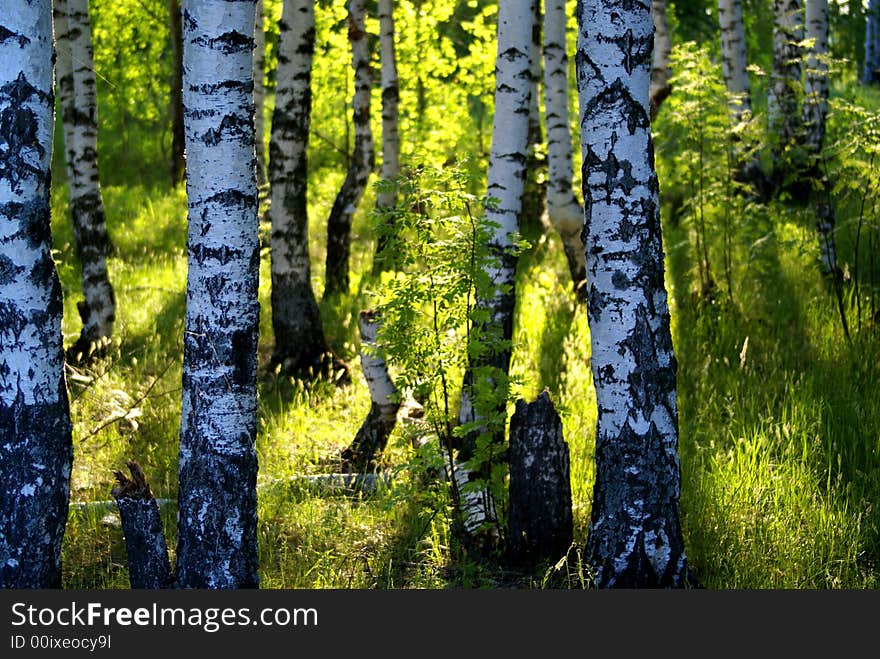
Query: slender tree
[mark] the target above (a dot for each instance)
(300, 345)
(260, 91)
(635, 536)
(387, 198)
(217, 498)
(734, 59)
(505, 183)
(355, 183)
(785, 78)
(815, 111)
(535, 187)
(76, 82)
(175, 29)
(36, 452)
(660, 72)
(565, 211)
(872, 43)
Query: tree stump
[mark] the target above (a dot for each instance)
(148, 564)
(540, 525)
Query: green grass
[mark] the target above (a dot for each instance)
(779, 415)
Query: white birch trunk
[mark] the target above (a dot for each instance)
(635, 537)
(734, 60)
(217, 500)
(782, 96)
(872, 43)
(566, 213)
(390, 132)
(660, 72)
(260, 92)
(815, 111)
(535, 186)
(815, 106)
(300, 345)
(98, 307)
(35, 432)
(349, 196)
(372, 436)
(505, 179)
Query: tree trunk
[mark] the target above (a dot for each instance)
(175, 29)
(387, 199)
(373, 434)
(349, 196)
(815, 110)
(217, 500)
(36, 452)
(76, 82)
(734, 60)
(782, 97)
(300, 345)
(540, 523)
(148, 564)
(535, 187)
(660, 73)
(635, 537)
(872, 43)
(504, 182)
(564, 210)
(260, 92)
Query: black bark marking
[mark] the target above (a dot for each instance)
(227, 43)
(232, 125)
(9, 271)
(7, 35)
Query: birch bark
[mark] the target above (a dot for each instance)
(76, 76)
(872, 43)
(390, 133)
(349, 196)
(505, 180)
(36, 452)
(782, 97)
(566, 213)
(217, 499)
(635, 537)
(300, 345)
(815, 111)
(660, 72)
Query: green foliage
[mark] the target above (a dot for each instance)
(434, 328)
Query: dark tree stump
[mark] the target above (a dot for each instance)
(148, 564)
(540, 525)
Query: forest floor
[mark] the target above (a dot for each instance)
(779, 418)
(779, 413)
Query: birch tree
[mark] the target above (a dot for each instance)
(785, 78)
(387, 198)
(565, 211)
(217, 498)
(660, 72)
(815, 111)
(76, 83)
(260, 91)
(734, 59)
(36, 452)
(300, 344)
(872, 43)
(535, 187)
(505, 179)
(635, 536)
(355, 183)
(175, 30)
